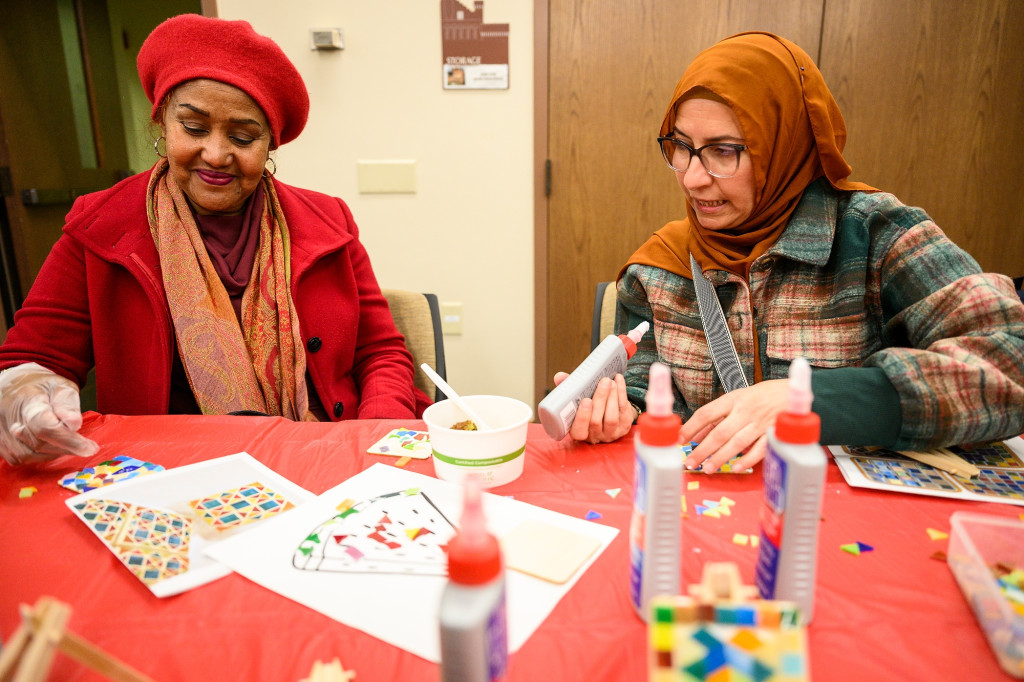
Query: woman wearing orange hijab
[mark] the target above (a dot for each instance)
(912, 345)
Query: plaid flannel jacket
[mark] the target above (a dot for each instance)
(856, 280)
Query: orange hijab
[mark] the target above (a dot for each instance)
(794, 134)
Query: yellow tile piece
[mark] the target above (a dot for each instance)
(662, 636)
(755, 540)
(713, 513)
(723, 509)
(746, 639)
(740, 539)
(727, 501)
(936, 534)
(346, 505)
(693, 485)
(27, 491)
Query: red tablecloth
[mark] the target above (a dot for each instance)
(891, 614)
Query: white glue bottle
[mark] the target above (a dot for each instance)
(558, 408)
(654, 531)
(474, 639)
(794, 479)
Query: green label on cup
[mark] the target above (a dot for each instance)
(479, 462)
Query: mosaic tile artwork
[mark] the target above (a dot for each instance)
(997, 482)
(905, 472)
(153, 544)
(120, 468)
(239, 506)
(400, 532)
(759, 641)
(990, 455)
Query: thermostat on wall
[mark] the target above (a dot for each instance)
(325, 39)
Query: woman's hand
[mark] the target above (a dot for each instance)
(734, 423)
(40, 415)
(607, 416)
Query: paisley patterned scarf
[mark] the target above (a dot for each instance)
(260, 365)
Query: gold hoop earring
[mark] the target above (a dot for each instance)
(270, 170)
(156, 147)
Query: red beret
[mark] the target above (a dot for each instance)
(191, 46)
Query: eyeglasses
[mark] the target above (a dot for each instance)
(721, 159)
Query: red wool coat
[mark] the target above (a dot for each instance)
(99, 300)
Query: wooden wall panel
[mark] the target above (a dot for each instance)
(612, 69)
(933, 96)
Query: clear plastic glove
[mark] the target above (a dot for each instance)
(40, 415)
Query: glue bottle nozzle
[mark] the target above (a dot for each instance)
(799, 397)
(637, 332)
(659, 390)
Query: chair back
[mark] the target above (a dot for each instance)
(604, 313)
(418, 318)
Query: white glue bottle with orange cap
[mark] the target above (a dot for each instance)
(558, 409)
(654, 530)
(474, 639)
(794, 479)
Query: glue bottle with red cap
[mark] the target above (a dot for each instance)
(794, 479)
(654, 530)
(474, 639)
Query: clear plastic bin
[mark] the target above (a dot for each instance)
(977, 542)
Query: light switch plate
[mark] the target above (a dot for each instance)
(451, 318)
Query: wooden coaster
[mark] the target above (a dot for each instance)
(547, 552)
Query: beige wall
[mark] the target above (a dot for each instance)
(467, 233)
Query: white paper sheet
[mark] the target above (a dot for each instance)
(399, 609)
(1001, 479)
(172, 490)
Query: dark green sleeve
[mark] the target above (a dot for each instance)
(857, 406)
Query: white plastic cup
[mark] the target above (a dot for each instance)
(495, 456)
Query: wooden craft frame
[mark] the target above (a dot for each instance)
(28, 655)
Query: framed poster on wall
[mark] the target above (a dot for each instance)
(474, 55)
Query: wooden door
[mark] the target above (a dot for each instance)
(61, 117)
(933, 96)
(612, 67)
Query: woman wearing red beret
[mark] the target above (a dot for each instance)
(205, 285)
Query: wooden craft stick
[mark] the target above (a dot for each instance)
(49, 618)
(11, 651)
(946, 460)
(88, 654)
